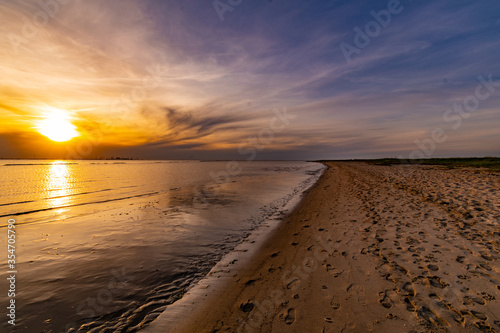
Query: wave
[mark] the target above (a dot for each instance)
(49, 198)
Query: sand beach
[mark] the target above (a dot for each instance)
(370, 248)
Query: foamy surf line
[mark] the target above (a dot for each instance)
(201, 292)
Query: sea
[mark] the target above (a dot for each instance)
(107, 245)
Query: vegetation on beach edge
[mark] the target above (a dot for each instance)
(491, 163)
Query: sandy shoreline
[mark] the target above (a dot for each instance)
(369, 248)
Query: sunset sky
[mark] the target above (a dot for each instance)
(197, 79)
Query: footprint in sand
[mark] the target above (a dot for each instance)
(488, 297)
(457, 317)
(433, 267)
(247, 307)
(293, 284)
(477, 300)
(479, 315)
(335, 303)
(400, 268)
(385, 300)
(410, 306)
(484, 327)
(486, 266)
(460, 259)
(436, 281)
(290, 316)
(434, 296)
(358, 291)
(431, 317)
(408, 288)
(335, 272)
(486, 256)
(444, 305)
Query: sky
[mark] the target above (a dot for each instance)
(244, 80)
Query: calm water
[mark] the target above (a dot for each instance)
(104, 246)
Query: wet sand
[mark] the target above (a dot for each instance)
(369, 249)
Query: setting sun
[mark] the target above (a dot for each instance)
(57, 126)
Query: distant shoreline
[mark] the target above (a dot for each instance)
(487, 162)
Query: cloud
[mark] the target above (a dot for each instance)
(155, 77)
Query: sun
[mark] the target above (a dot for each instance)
(57, 126)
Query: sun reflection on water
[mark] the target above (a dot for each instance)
(58, 184)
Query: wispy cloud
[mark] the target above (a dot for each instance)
(171, 77)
